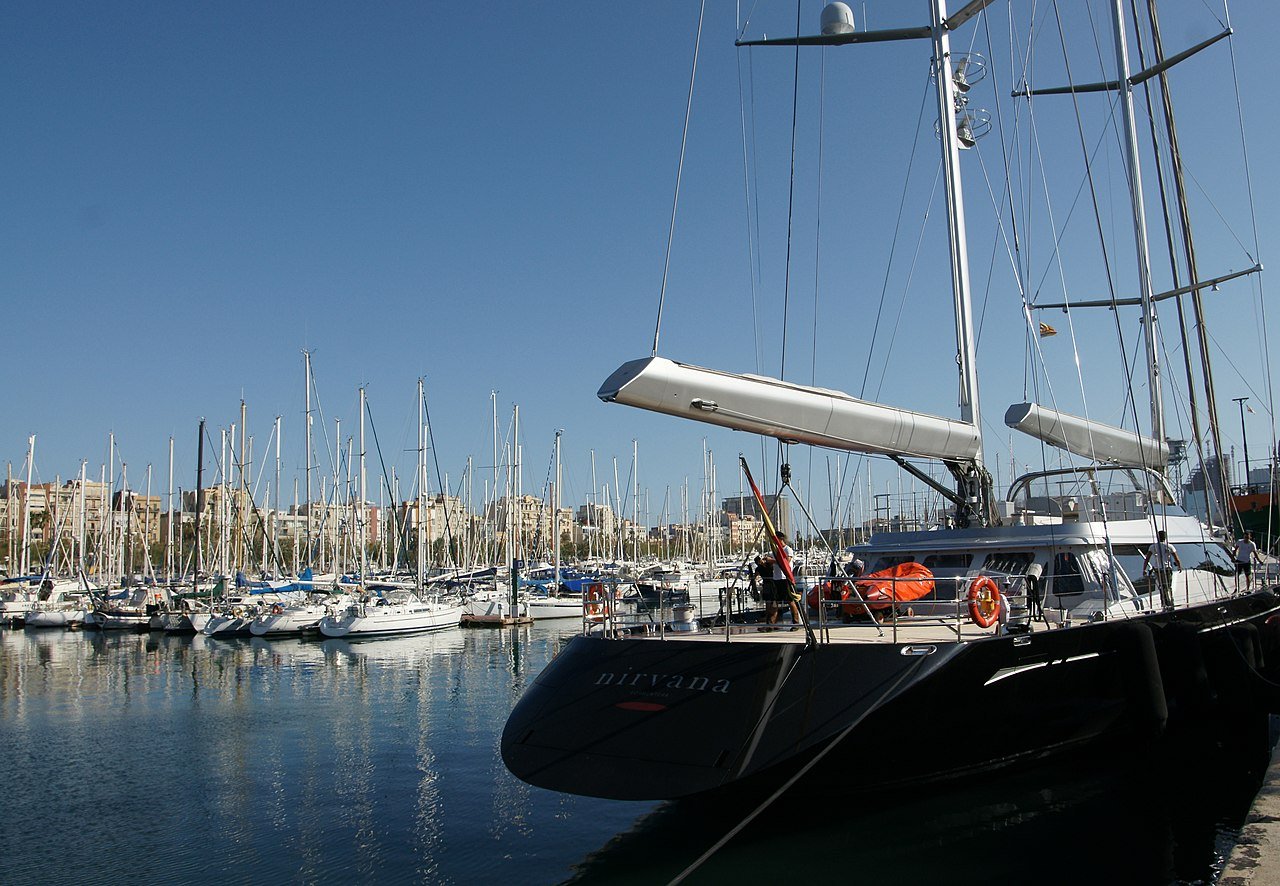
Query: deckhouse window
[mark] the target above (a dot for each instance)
(948, 561)
(1066, 575)
(891, 560)
(1008, 562)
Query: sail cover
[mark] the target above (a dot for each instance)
(788, 411)
(1087, 438)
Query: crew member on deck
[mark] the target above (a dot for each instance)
(1165, 557)
(1246, 554)
(778, 588)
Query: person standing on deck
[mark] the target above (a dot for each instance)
(1166, 557)
(1246, 554)
(778, 589)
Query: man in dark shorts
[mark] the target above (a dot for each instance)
(1245, 555)
(777, 588)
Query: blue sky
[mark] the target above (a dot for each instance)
(480, 194)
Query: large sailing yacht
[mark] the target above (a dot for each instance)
(1049, 623)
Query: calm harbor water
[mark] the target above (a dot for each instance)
(161, 759)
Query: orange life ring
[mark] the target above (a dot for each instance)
(597, 603)
(984, 601)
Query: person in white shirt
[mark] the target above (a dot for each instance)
(778, 590)
(1245, 555)
(1165, 557)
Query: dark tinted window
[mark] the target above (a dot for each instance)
(1066, 575)
(1008, 562)
(948, 561)
(891, 560)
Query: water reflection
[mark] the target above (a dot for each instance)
(379, 761)
(302, 759)
(1170, 817)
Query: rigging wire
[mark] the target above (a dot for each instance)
(675, 201)
(817, 237)
(1261, 301)
(791, 196)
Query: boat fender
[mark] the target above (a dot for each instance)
(1269, 644)
(1264, 690)
(1140, 671)
(1231, 657)
(984, 602)
(1186, 680)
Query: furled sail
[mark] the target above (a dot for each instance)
(1087, 438)
(788, 411)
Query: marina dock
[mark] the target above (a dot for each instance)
(1255, 861)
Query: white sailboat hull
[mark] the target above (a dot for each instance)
(398, 618)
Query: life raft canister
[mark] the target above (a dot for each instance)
(984, 601)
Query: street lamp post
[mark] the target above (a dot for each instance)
(1244, 438)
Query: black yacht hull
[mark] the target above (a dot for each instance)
(667, 719)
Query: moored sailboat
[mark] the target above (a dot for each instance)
(1054, 617)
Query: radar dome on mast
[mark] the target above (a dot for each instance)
(837, 18)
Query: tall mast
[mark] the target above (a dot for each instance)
(555, 512)
(364, 494)
(146, 523)
(275, 520)
(26, 507)
(1139, 223)
(224, 514)
(306, 359)
(195, 563)
(493, 397)
(332, 509)
(422, 488)
(1193, 273)
(960, 281)
(243, 485)
(635, 501)
(111, 504)
(84, 467)
(168, 536)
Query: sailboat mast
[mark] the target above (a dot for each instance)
(168, 536)
(422, 486)
(195, 562)
(635, 501)
(84, 467)
(361, 532)
(555, 513)
(275, 520)
(960, 279)
(306, 358)
(26, 508)
(1139, 223)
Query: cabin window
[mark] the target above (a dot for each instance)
(1211, 557)
(948, 561)
(1130, 559)
(1066, 576)
(1008, 562)
(890, 560)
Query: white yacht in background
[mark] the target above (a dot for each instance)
(60, 603)
(396, 614)
(290, 619)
